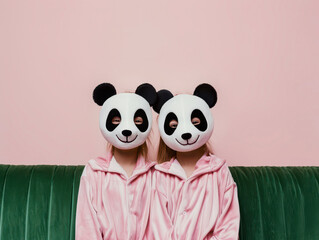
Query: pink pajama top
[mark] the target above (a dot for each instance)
(202, 206)
(110, 204)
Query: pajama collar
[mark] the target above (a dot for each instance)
(109, 164)
(207, 163)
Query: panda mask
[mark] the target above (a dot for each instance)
(185, 121)
(125, 118)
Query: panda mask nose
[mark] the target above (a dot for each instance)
(186, 136)
(127, 133)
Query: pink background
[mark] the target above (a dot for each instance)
(261, 56)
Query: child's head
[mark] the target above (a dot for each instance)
(185, 121)
(125, 118)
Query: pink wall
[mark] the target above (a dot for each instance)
(261, 56)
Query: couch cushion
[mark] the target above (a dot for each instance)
(278, 202)
(39, 202)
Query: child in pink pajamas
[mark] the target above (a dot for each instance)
(193, 193)
(115, 190)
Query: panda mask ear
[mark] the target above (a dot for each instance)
(148, 92)
(102, 92)
(162, 97)
(206, 92)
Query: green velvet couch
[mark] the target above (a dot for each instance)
(39, 202)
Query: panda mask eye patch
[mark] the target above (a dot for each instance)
(167, 128)
(110, 126)
(144, 125)
(202, 126)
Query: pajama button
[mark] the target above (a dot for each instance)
(184, 212)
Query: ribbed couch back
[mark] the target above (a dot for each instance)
(39, 202)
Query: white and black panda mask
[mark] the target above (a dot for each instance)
(185, 121)
(125, 118)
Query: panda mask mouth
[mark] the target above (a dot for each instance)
(187, 143)
(126, 141)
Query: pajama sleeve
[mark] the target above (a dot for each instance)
(227, 225)
(87, 223)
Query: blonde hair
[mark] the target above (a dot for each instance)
(165, 153)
